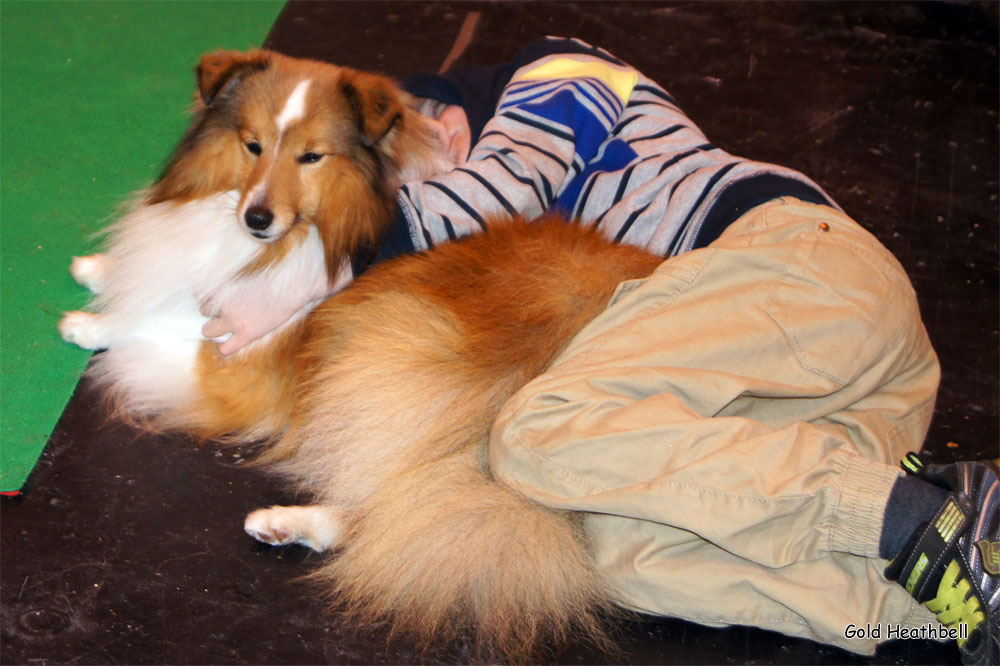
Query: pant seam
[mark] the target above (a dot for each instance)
(918, 413)
(754, 498)
(550, 464)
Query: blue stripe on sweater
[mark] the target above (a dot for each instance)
(598, 94)
(617, 155)
(462, 203)
(515, 91)
(563, 108)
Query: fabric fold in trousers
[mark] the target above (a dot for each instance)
(732, 426)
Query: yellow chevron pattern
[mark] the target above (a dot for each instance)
(949, 521)
(621, 80)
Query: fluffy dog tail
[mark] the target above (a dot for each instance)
(403, 375)
(445, 551)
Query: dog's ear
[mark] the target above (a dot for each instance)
(374, 101)
(221, 70)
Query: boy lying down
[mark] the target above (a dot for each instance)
(732, 425)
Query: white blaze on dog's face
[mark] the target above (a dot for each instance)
(295, 106)
(268, 212)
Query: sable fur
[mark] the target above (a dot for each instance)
(184, 242)
(379, 402)
(395, 385)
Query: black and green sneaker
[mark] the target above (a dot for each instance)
(952, 565)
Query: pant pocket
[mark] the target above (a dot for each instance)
(839, 302)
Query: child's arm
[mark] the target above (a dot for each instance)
(551, 121)
(240, 318)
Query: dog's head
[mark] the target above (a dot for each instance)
(304, 143)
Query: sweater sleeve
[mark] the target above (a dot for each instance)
(552, 120)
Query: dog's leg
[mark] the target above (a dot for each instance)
(318, 527)
(90, 271)
(84, 329)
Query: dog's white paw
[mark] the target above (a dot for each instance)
(90, 271)
(84, 329)
(316, 527)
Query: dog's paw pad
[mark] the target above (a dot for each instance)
(275, 536)
(83, 329)
(311, 526)
(266, 526)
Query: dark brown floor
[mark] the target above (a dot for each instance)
(129, 549)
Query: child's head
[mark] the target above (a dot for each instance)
(451, 125)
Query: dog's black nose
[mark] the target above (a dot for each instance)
(258, 218)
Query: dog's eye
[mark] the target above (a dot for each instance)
(309, 158)
(254, 147)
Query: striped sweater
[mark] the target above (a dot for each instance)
(578, 132)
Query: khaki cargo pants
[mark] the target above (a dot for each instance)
(732, 427)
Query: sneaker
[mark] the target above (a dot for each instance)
(953, 564)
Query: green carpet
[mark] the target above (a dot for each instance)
(93, 95)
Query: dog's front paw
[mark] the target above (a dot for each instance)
(84, 329)
(316, 527)
(90, 271)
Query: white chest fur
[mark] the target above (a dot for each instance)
(162, 262)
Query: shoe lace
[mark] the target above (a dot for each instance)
(955, 604)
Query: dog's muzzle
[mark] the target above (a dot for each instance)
(258, 219)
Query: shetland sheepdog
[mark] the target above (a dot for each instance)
(377, 403)
(289, 168)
